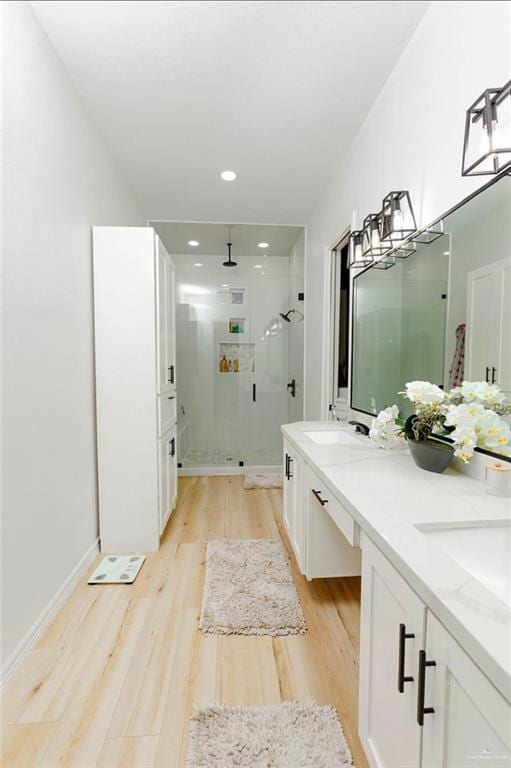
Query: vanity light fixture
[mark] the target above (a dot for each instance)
(193, 243)
(397, 220)
(487, 141)
(372, 244)
(386, 263)
(356, 257)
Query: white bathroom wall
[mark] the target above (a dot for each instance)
(412, 139)
(57, 182)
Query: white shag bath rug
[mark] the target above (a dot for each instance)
(262, 480)
(287, 735)
(249, 590)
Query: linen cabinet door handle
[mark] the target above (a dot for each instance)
(421, 688)
(173, 449)
(401, 677)
(289, 460)
(493, 372)
(317, 494)
(171, 374)
(487, 377)
(287, 466)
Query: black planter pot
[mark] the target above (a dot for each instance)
(431, 457)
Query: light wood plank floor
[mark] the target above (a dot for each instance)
(114, 679)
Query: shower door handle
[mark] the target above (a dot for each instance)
(254, 393)
(292, 387)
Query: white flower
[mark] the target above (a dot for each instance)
(384, 430)
(466, 414)
(423, 392)
(480, 391)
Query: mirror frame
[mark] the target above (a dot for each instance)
(447, 213)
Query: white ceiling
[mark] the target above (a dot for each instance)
(273, 90)
(213, 238)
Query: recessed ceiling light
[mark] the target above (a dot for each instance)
(225, 285)
(263, 245)
(258, 266)
(197, 264)
(193, 243)
(447, 253)
(227, 175)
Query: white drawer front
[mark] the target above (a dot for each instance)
(167, 412)
(339, 515)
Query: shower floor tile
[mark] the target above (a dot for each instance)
(222, 457)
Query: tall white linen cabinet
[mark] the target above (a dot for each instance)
(135, 347)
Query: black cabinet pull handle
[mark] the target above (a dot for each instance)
(401, 677)
(487, 377)
(493, 372)
(171, 397)
(288, 466)
(317, 494)
(421, 688)
(172, 446)
(171, 374)
(254, 392)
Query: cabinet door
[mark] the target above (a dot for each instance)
(480, 324)
(288, 490)
(293, 509)
(470, 724)
(164, 479)
(165, 321)
(171, 320)
(167, 475)
(388, 663)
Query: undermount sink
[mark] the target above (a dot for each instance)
(338, 437)
(481, 549)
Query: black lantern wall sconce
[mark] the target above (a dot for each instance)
(487, 141)
(381, 240)
(356, 256)
(397, 218)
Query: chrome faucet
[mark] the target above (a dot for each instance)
(363, 429)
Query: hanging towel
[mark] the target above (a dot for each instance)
(457, 369)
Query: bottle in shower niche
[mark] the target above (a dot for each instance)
(235, 365)
(224, 365)
(230, 366)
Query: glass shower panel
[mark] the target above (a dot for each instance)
(270, 408)
(214, 371)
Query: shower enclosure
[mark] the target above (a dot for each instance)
(239, 361)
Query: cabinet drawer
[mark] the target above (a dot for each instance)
(167, 412)
(337, 512)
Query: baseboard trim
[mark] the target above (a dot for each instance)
(47, 615)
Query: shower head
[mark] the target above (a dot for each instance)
(286, 315)
(229, 262)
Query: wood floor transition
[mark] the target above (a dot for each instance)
(114, 679)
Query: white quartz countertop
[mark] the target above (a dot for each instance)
(388, 496)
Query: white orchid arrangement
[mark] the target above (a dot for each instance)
(470, 416)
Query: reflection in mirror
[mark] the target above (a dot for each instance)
(437, 311)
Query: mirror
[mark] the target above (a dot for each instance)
(438, 311)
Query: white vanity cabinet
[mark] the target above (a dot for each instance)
(134, 318)
(423, 702)
(470, 724)
(392, 630)
(293, 507)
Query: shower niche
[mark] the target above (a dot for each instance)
(236, 357)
